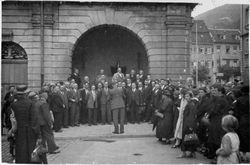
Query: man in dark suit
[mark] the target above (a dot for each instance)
(105, 104)
(64, 96)
(141, 102)
(21, 120)
(132, 76)
(117, 107)
(76, 77)
(147, 92)
(142, 76)
(92, 105)
(133, 103)
(46, 124)
(156, 97)
(57, 107)
(125, 98)
(83, 106)
(101, 78)
(149, 80)
(74, 97)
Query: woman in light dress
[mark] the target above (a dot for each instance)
(179, 124)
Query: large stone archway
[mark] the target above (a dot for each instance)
(163, 28)
(106, 46)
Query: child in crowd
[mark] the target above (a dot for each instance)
(228, 153)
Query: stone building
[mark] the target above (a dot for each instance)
(226, 44)
(244, 26)
(55, 37)
(216, 47)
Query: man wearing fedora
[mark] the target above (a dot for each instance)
(21, 125)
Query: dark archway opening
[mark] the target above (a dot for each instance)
(106, 46)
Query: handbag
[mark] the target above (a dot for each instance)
(35, 156)
(191, 139)
(205, 120)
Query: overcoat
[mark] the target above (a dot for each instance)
(25, 135)
(164, 127)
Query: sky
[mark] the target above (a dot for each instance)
(205, 5)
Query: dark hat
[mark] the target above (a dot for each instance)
(21, 89)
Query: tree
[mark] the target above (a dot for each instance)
(203, 72)
(228, 72)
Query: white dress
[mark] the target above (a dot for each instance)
(232, 158)
(179, 124)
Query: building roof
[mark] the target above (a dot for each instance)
(227, 36)
(203, 36)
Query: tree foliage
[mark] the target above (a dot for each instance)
(228, 72)
(203, 72)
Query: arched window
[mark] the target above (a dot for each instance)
(11, 50)
(14, 65)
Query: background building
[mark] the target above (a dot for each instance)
(244, 24)
(205, 47)
(226, 52)
(218, 52)
(55, 37)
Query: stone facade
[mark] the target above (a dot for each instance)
(244, 23)
(164, 29)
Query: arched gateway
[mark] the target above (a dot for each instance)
(106, 47)
(58, 36)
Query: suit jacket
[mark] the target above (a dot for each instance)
(104, 97)
(64, 97)
(56, 103)
(133, 97)
(73, 96)
(133, 78)
(117, 96)
(44, 116)
(91, 101)
(125, 96)
(147, 92)
(143, 78)
(77, 79)
(141, 97)
(83, 96)
(156, 98)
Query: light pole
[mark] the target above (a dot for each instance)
(197, 61)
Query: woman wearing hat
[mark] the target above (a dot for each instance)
(21, 124)
(189, 126)
(165, 113)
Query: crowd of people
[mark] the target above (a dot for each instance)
(189, 116)
(213, 120)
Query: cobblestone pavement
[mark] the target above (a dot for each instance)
(120, 151)
(6, 156)
(87, 139)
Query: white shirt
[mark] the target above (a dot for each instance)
(94, 94)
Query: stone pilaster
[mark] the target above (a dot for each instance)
(178, 25)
